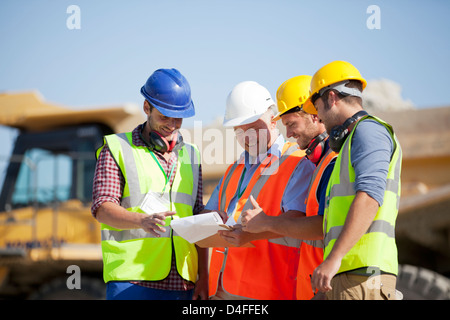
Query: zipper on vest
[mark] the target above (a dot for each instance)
(225, 253)
(220, 280)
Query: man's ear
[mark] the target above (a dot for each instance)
(146, 108)
(315, 118)
(332, 98)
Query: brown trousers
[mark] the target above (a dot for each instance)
(348, 286)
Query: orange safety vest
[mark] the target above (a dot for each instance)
(267, 271)
(311, 251)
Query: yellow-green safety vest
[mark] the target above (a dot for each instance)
(377, 247)
(135, 254)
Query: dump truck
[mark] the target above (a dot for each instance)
(50, 243)
(48, 236)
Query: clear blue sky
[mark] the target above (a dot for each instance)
(217, 44)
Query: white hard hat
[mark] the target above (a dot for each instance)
(246, 103)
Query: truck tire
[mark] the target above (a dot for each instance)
(416, 283)
(91, 289)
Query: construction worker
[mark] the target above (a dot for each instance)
(363, 193)
(311, 137)
(143, 179)
(276, 174)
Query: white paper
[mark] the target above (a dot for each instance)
(155, 203)
(198, 227)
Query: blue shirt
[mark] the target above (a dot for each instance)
(295, 192)
(372, 149)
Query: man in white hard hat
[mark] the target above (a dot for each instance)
(311, 136)
(271, 173)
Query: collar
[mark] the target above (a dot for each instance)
(139, 140)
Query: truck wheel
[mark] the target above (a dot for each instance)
(416, 283)
(91, 289)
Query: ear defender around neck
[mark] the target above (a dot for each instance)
(316, 147)
(338, 134)
(160, 144)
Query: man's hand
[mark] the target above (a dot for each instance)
(237, 237)
(322, 275)
(152, 223)
(201, 289)
(223, 215)
(201, 286)
(255, 220)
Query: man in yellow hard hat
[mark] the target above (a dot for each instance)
(363, 193)
(311, 136)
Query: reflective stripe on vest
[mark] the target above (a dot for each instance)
(270, 267)
(269, 166)
(312, 203)
(314, 243)
(311, 251)
(377, 246)
(270, 169)
(135, 254)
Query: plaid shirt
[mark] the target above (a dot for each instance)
(108, 187)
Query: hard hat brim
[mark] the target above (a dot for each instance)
(308, 107)
(186, 112)
(241, 121)
(278, 116)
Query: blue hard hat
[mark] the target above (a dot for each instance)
(169, 92)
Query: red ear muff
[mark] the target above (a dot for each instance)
(315, 154)
(316, 147)
(158, 142)
(173, 142)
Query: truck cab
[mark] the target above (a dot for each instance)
(46, 226)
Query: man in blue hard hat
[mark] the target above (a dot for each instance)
(143, 180)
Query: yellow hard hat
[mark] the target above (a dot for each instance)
(292, 93)
(329, 74)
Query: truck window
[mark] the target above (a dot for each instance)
(44, 177)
